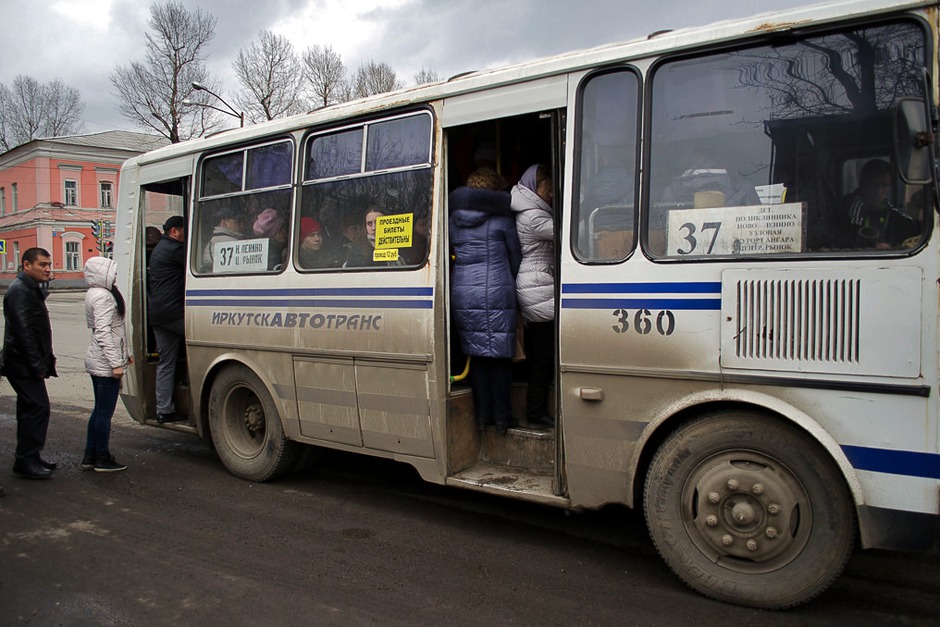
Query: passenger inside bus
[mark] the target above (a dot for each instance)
(535, 285)
(272, 225)
(486, 257)
(228, 227)
(869, 219)
(362, 253)
(315, 250)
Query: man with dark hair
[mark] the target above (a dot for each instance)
(873, 222)
(27, 361)
(167, 279)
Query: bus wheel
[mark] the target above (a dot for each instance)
(749, 510)
(246, 428)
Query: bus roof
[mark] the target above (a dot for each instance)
(659, 43)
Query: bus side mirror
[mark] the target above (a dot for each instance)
(912, 141)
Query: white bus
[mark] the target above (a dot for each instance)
(746, 288)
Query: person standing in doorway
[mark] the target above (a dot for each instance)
(105, 359)
(535, 285)
(167, 277)
(27, 361)
(483, 292)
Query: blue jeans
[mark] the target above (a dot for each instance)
(99, 424)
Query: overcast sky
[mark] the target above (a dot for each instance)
(82, 41)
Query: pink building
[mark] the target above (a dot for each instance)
(53, 194)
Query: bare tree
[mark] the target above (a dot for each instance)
(426, 76)
(375, 78)
(30, 109)
(151, 92)
(326, 74)
(272, 78)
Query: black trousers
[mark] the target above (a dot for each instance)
(540, 355)
(491, 382)
(32, 416)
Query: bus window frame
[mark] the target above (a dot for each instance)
(198, 198)
(761, 41)
(304, 183)
(578, 184)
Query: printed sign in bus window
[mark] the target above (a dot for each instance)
(391, 234)
(749, 230)
(246, 255)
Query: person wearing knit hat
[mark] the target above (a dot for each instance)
(272, 225)
(269, 223)
(314, 251)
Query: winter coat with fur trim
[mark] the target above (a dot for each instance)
(108, 347)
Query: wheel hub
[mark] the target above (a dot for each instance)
(747, 509)
(254, 419)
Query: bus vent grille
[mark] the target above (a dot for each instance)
(798, 320)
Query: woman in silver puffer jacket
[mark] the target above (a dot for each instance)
(105, 359)
(535, 285)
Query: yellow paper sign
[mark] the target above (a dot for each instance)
(393, 231)
(389, 254)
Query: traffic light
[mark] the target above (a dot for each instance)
(109, 248)
(96, 228)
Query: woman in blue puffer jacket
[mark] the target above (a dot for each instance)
(483, 291)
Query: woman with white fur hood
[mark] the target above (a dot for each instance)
(105, 359)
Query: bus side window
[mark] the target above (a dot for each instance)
(243, 213)
(607, 122)
(367, 220)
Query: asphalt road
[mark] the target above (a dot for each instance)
(353, 541)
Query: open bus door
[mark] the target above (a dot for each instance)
(157, 201)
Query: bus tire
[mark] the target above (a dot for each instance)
(246, 427)
(749, 510)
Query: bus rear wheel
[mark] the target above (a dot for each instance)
(749, 510)
(246, 427)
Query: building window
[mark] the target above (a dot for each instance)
(14, 200)
(106, 195)
(3, 201)
(73, 256)
(70, 198)
(16, 256)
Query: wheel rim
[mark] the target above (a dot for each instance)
(746, 511)
(243, 421)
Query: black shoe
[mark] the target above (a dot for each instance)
(49, 465)
(1, 491)
(88, 461)
(31, 469)
(174, 417)
(542, 421)
(107, 463)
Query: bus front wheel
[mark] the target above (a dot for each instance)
(246, 427)
(749, 510)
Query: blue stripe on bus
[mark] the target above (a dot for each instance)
(704, 287)
(294, 302)
(908, 463)
(317, 291)
(688, 304)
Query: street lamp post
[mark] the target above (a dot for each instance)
(231, 110)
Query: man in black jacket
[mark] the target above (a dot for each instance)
(27, 361)
(167, 277)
